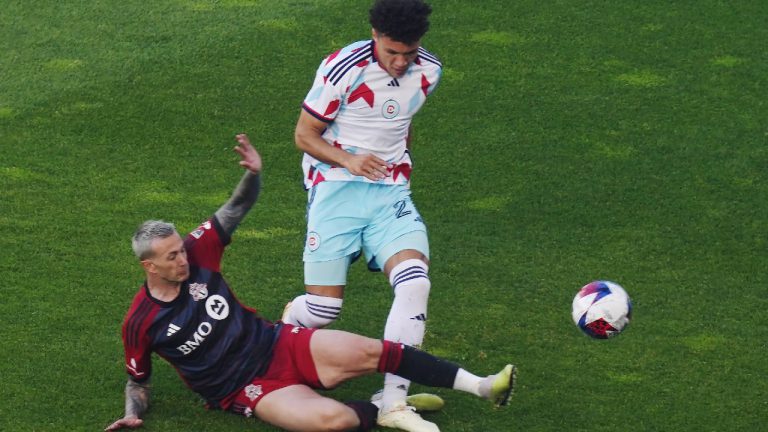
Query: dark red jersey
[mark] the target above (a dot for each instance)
(216, 344)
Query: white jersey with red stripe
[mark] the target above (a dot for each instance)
(367, 110)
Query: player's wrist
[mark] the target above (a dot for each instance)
(345, 160)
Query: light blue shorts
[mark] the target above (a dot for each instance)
(345, 218)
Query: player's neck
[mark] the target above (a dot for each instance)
(162, 289)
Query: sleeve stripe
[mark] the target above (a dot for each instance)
(341, 68)
(315, 114)
(428, 56)
(134, 323)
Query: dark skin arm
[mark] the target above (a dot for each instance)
(308, 137)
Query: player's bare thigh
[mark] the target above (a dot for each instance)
(339, 355)
(316, 412)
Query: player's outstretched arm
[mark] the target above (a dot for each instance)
(247, 191)
(136, 404)
(250, 158)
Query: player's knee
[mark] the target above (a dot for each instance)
(367, 354)
(362, 356)
(315, 311)
(338, 418)
(410, 278)
(418, 289)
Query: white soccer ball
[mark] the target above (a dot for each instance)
(602, 309)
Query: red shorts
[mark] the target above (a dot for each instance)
(291, 364)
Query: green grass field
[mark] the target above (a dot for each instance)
(569, 141)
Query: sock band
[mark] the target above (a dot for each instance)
(323, 307)
(407, 270)
(391, 356)
(314, 311)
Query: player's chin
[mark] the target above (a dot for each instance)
(183, 275)
(396, 72)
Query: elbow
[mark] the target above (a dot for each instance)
(302, 140)
(297, 140)
(309, 131)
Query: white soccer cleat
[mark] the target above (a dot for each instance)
(419, 401)
(404, 417)
(503, 385)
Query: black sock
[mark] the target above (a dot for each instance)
(423, 368)
(366, 412)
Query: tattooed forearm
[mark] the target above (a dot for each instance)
(136, 398)
(244, 196)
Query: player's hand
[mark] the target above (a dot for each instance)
(130, 423)
(250, 158)
(368, 166)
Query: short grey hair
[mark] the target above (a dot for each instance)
(147, 233)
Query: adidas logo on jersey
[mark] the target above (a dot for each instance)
(172, 329)
(394, 83)
(420, 317)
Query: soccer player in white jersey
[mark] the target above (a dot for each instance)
(355, 132)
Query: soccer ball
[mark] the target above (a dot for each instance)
(602, 309)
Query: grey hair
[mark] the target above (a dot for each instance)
(148, 232)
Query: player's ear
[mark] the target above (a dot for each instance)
(148, 265)
(374, 35)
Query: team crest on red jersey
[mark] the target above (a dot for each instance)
(253, 391)
(201, 230)
(198, 291)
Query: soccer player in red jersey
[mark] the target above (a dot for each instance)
(238, 361)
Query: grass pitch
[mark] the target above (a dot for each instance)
(568, 141)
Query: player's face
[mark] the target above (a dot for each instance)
(395, 57)
(169, 261)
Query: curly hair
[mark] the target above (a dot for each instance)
(404, 21)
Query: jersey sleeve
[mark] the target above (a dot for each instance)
(336, 75)
(136, 340)
(433, 71)
(205, 245)
(324, 98)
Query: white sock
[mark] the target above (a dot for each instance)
(314, 311)
(406, 320)
(395, 391)
(470, 383)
